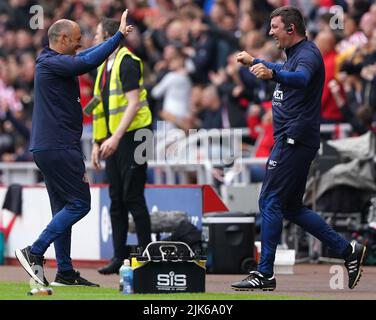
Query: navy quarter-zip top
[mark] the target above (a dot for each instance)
(57, 114)
(297, 95)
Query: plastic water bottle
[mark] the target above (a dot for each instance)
(121, 274)
(126, 277)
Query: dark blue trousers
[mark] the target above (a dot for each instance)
(69, 193)
(281, 197)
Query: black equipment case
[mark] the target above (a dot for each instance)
(168, 267)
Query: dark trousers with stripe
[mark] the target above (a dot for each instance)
(281, 197)
(68, 189)
(127, 185)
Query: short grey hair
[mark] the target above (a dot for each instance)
(57, 28)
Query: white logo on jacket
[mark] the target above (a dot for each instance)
(278, 94)
(272, 164)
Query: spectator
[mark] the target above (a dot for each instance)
(14, 135)
(264, 144)
(249, 21)
(208, 32)
(175, 89)
(354, 37)
(202, 52)
(86, 93)
(326, 43)
(234, 96)
(361, 121)
(212, 110)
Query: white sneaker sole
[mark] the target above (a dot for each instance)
(21, 259)
(58, 284)
(253, 289)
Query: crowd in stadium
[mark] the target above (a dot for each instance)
(188, 49)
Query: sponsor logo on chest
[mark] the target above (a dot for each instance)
(278, 95)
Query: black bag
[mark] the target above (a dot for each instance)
(344, 199)
(188, 233)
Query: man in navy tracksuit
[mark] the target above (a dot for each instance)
(296, 120)
(55, 143)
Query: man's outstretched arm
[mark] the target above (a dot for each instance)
(269, 65)
(297, 79)
(248, 61)
(66, 65)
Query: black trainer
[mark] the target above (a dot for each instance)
(73, 279)
(255, 281)
(354, 263)
(32, 264)
(112, 268)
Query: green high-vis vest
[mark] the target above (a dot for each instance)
(118, 101)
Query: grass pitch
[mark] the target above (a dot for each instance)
(18, 291)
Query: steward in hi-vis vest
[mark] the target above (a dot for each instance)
(117, 100)
(120, 110)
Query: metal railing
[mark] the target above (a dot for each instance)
(27, 173)
(164, 172)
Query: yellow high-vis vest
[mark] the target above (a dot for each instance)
(117, 100)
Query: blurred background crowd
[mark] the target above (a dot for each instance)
(188, 50)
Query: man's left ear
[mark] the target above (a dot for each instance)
(64, 39)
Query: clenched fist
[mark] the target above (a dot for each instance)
(261, 71)
(244, 58)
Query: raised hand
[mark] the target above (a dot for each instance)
(124, 29)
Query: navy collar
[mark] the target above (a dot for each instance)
(49, 50)
(289, 51)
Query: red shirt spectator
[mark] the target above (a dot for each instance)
(261, 129)
(326, 42)
(266, 143)
(329, 108)
(267, 138)
(86, 85)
